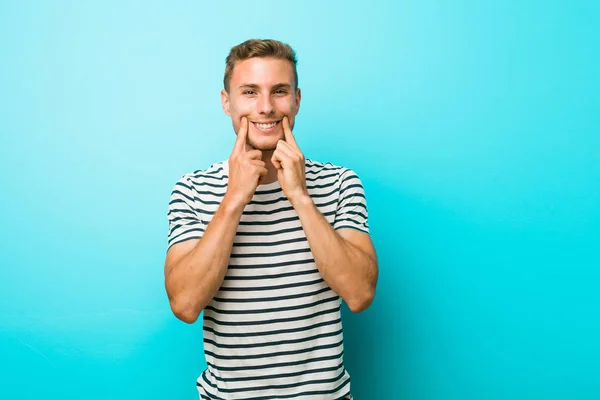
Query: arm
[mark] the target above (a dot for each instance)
(194, 269)
(345, 258)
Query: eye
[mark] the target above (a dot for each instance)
(249, 92)
(280, 92)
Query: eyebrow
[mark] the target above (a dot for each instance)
(255, 86)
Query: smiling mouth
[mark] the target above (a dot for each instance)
(266, 126)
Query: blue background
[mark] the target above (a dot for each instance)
(473, 125)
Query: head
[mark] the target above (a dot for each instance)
(261, 84)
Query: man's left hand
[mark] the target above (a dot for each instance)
(289, 161)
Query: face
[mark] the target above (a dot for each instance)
(262, 90)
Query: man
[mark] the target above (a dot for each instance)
(267, 244)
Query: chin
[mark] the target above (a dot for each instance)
(263, 146)
(264, 143)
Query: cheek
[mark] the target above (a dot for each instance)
(287, 106)
(242, 107)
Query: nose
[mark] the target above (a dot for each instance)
(265, 105)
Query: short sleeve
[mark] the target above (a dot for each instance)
(184, 221)
(352, 205)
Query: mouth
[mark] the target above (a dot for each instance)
(266, 127)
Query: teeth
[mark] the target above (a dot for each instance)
(266, 126)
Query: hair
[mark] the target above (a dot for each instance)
(259, 48)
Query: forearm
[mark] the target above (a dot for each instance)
(194, 280)
(349, 271)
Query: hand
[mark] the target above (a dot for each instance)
(246, 168)
(291, 169)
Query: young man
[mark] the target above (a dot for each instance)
(267, 244)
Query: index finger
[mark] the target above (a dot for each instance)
(240, 143)
(287, 131)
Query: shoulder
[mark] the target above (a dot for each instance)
(213, 175)
(218, 170)
(329, 170)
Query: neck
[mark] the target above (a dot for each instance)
(271, 170)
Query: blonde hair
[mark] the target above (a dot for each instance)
(258, 48)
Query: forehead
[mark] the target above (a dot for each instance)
(262, 72)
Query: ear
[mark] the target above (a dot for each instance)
(298, 98)
(225, 102)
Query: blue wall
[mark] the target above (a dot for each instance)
(475, 129)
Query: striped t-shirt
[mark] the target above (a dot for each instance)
(274, 329)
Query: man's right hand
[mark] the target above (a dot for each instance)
(245, 169)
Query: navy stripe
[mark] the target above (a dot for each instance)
(275, 332)
(197, 229)
(184, 185)
(175, 227)
(266, 212)
(288, 208)
(224, 185)
(177, 210)
(277, 200)
(269, 233)
(274, 222)
(269, 310)
(276, 365)
(265, 192)
(316, 178)
(274, 287)
(278, 298)
(274, 254)
(364, 230)
(276, 343)
(274, 276)
(215, 194)
(184, 240)
(275, 354)
(356, 213)
(348, 219)
(356, 185)
(209, 171)
(271, 265)
(288, 375)
(271, 321)
(281, 220)
(190, 198)
(268, 244)
(208, 176)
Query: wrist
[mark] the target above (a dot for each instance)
(232, 205)
(301, 201)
